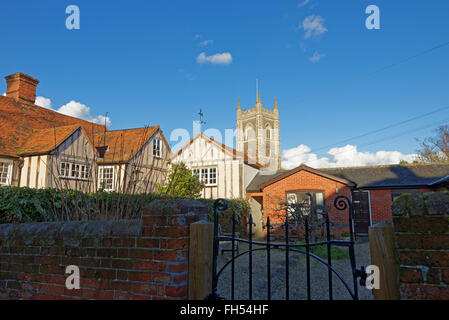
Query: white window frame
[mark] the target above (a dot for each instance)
(67, 173)
(10, 165)
(62, 172)
(85, 174)
(292, 199)
(157, 148)
(100, 177)
(204, 175)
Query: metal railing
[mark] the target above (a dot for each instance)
(341, 203)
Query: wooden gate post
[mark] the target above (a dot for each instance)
(383, 255)
(201, 260)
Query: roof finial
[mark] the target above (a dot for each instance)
(239, 107)
(275, 103)
(257, 90)
(201, 122)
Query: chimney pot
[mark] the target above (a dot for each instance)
(21, 87)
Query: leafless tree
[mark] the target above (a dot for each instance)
(298, 213)
(435, 149)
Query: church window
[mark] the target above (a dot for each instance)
(268, 149)
(268, 133)
(268, 143)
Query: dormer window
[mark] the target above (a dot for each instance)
(101, 151)
(157, 148)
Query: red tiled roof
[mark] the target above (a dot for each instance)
(123, 144)
(45, 140)
(19, 121)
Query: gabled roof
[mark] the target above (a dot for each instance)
(45, 140)
(261, 181)
(18, 122)
(261, 178)
(124, 144)
(231, 151)
(380, 177)
(394, 176)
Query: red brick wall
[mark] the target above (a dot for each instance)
(275, 194)
(145, 259)
(381, 201)
(422, 241)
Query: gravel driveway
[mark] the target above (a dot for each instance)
(298, 282)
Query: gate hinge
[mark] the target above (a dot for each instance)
(361, 273)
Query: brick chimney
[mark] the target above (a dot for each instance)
(21, 87)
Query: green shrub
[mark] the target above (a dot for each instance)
(239, 206)
(22, 205)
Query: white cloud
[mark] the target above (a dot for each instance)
(304, 3)
(43, 102)
(219, 58)
(313, 26)
(198, 36)
(316, 57)
(74, 109)
(347, 156)
(206, 43)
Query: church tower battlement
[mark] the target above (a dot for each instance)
(258, 134)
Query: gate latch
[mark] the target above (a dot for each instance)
(361, 273)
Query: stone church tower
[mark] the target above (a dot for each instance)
(258, 134)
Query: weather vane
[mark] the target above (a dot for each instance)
(201, 116)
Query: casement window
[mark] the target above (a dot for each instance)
(157, 148)
(75, 172)
(64, 169)
(306, 199)
(5, 173)
(106, 178)
(84, 172)
(71, 170)
(207, 175)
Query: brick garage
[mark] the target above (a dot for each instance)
(422, 240)
(146, 259)
(372, 189)
(273, 193)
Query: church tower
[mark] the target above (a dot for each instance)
(258, 134)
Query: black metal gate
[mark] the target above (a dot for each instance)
(342, 203)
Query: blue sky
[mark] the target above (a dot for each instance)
(138, 61)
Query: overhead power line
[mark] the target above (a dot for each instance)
(419, 117)
(390, 66)
(367, 75)
(439, 123)
(397, 124)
